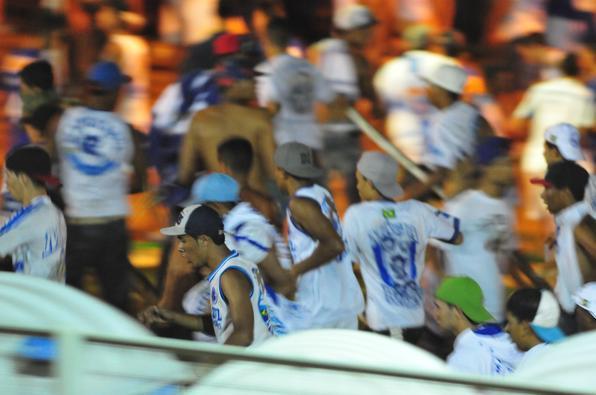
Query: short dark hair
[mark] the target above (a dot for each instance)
(570, 65)
(568, 175)
(523, 303)
(38, 74)
(31, 160)
(278, 33)
(40, 117)
(530, 39)
(237, 154)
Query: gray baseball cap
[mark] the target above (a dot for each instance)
(381, 170)
(297, 159)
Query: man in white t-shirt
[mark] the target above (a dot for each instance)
(337, 61)
(565, 99)
(488, 226)
(95, 150)
(480, 346)
(327, 290)
(291, 88)
(564, 188)
(388, 240)
(532, 321)
(35, 235)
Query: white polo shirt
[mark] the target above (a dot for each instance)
(35, 237)
(389, 241)
(95, 149)
(486, 350)
(549, 103)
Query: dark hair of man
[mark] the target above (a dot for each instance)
(570, 66)
(38, 75)
(523, 304)
(278, 33)
(454, 96)
(530, 39)
(237, 154)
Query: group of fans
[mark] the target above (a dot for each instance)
(235, 274)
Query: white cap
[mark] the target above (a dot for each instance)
(586, 298)
(450, 77)
(546, 321)
(566, 138)
(353, 16)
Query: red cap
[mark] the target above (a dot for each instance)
(226, 44)
(541, 181)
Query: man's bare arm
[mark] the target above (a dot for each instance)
(188, 155)
(237, 289)
(309, 216)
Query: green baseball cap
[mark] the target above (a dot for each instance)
(465, 293)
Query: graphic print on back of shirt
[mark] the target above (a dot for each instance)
(394, 246)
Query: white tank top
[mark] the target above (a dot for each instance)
(265, 324)
(330, 291)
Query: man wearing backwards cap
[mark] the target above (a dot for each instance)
(480, 345)
(239, 312)
(532, 320)
(95, 149)
(585, 307)
(35, 235)
(327, 289)
(564, 188)
(456, 128)
(389, 241)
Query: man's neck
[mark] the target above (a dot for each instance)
(241, 179)
(294, 185)
(217, 256)
(30, 195)
(492, 189)
(462, 326)
(444, 104)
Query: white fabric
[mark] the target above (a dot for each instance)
(486, 354)
(196, 302)
(296, 86)
(35, 237)
(400, 85)
(389, 241)
(452, 135)
(265, 324)
(485, 222)
(569, 276)
(95, 150)
(337, 67)
(330, 292)
(533, 354)
(549, 103)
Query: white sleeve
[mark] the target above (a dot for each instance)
(439, 152)
(468, 360)
(351, 235)
(253, 242)
(525, 108)
(323, 91)
(15, 232)
(338, 69)
(265, 90)
(441, 225)
(588, 117)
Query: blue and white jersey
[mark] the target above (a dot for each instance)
(486, 350)
(331, 291)
(265, 324)
(95, 149)
(389, 241)
(35, 237)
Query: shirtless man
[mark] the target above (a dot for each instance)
(231, 118)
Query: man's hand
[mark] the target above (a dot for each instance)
(154, 317)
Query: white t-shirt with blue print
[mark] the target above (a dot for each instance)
(96, 150)
(486, 350)
(35, 237)
(389, 241)
(265, 324)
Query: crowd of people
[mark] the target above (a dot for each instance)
(246, 142)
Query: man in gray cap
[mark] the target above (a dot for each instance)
(389, 241)
(327, 290)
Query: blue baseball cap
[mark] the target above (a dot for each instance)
(490, 149)
(107, 75)
(214, 187)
